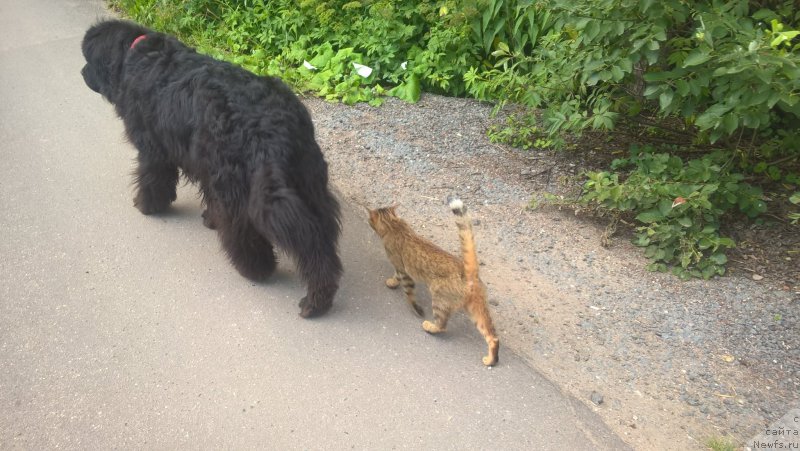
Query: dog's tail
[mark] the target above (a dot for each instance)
(468, 253)
(305, 223)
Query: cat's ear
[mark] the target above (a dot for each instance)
(393, 208)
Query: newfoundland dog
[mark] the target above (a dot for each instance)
(246, 141)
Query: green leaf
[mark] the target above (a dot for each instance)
(774, 173)
(593, 79)
(783, 37)
(664, 207)
(685, 221)
(616, 73)
(712, 116)
(651, 89)
(658, 76)
(650, 216)
(409, 91)
(718, 258)
(626, 64)
(665, 100)
(708, 271)
(764, 14)
(730, 122)
(726, 242)
(682, 87)
(695, 57)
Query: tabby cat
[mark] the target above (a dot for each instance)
(453, 282)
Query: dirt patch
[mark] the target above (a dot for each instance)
(666, 363)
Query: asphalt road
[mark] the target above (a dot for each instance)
(119, 330)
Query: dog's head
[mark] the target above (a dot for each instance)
(105, 47)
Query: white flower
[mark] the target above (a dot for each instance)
(308, 65)
(404, 65)
(363, 70)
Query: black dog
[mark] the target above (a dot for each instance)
(247, 141)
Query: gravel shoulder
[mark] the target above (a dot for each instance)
(667, 364)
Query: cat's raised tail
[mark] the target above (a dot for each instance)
(475, 296)
(468, 253)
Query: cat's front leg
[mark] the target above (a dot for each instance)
(401, 278)
(394, 281)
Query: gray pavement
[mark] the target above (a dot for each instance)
(119, 330)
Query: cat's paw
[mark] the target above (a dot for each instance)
(431, 328)
(392, 282)
(493, 353)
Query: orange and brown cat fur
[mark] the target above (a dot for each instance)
(453, 282)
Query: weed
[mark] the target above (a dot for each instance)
(720, 444)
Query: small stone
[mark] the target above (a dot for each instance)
(596, 398)
(757, 277)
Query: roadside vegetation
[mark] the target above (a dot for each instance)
(706, 94)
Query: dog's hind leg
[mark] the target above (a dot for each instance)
(251, 254)
(308, 234)
(321, 268)
(210, 214)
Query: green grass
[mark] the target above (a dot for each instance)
(720, 444)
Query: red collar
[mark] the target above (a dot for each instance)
(138, 40)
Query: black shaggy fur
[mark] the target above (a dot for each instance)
(246, 140)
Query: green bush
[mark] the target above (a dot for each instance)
(722, 66)
(317, 45)
(678, 206)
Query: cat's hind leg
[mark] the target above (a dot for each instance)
(442, 308)
(479, 313)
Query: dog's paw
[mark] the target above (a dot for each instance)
(308, 310)
(143, 207)
(148, 206)
(207, 221)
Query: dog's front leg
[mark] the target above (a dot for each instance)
(155, 185)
